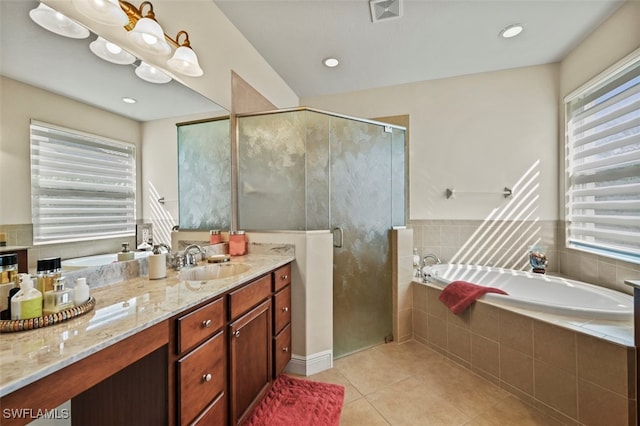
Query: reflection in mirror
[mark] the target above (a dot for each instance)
(35, 56)
(204, 174)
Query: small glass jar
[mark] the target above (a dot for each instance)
(47, 271)
(8, 268)
(237, 243)
(215, 237)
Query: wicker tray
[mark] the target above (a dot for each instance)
(11, 326)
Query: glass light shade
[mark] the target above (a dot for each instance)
(151, 74)
(57, 23)
(185, 61)
(149, 35)
(107, 12)
(110, 52)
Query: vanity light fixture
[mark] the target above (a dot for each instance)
(511, 31)
(146, 31)
(185, 60)
(330, 62)
(111, 52)
(151, 74)
(107, 12)
(57, 23)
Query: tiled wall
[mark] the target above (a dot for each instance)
(576, 378)
(505, 244)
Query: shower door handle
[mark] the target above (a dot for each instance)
(340, 242)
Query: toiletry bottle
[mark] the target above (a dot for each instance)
(80, 292)
(58, 299)
(27, 303)
(237, 243)
(8, 267)
(215, 237)
(125, 254)
(48, 270)
(157, 264)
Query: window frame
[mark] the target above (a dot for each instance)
(626, 65)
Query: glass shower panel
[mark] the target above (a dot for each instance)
(271, 171)
(360, 208)
(204, 175)
(398, 178)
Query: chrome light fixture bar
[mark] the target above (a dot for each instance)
(57, 23)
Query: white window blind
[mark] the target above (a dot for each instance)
(603, 164)
(82, 186)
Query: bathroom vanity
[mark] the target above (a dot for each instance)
(157, 352)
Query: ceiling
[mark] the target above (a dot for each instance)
(35, 56)
(431, 40)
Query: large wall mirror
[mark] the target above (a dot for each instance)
(65, 66)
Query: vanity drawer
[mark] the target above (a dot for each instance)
(200, 324)
(282, 309)
(281, 277)
(241, 300)
(281, 350)
(202, 376)
(215, 414)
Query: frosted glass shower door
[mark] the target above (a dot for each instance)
(361, 210)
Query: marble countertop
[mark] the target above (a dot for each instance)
(121, 310)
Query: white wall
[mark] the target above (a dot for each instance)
(19, 104)
(478, 132)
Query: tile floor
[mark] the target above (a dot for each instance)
(410, 384)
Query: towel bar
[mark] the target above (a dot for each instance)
(506, 192)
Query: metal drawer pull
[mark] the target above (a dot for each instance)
(285, 349)
(285, 309)
(206, 324)
(236, 333)
(284, 277)
(207, 377)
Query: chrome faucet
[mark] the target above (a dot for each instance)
(427, 275)
(430, 256)
(189, 258)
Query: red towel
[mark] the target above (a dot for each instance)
(459, 295)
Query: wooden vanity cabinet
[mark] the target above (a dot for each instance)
(281, 318)
(227, 351)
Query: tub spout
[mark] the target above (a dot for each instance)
(431, 256)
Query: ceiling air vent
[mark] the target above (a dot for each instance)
(384, 10)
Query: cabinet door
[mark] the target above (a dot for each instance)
(250, 358)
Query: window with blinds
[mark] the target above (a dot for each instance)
(603, 164)
(82, 186)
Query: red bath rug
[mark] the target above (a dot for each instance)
(298, 402)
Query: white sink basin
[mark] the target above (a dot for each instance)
(213, 272)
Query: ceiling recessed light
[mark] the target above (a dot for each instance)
(330, 62)
(511, 31)
(127, 100)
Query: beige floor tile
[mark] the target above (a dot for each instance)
(361, 413)
(413, 402)
(511, 412)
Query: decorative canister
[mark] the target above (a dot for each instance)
(237, 243)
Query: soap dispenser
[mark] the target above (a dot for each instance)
(125, 254)
(27, 303)
(157, 264)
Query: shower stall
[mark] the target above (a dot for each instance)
(305, 170)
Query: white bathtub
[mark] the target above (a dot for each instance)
(538, 292)
(100, 259)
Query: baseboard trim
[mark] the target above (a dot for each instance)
(309, 365)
